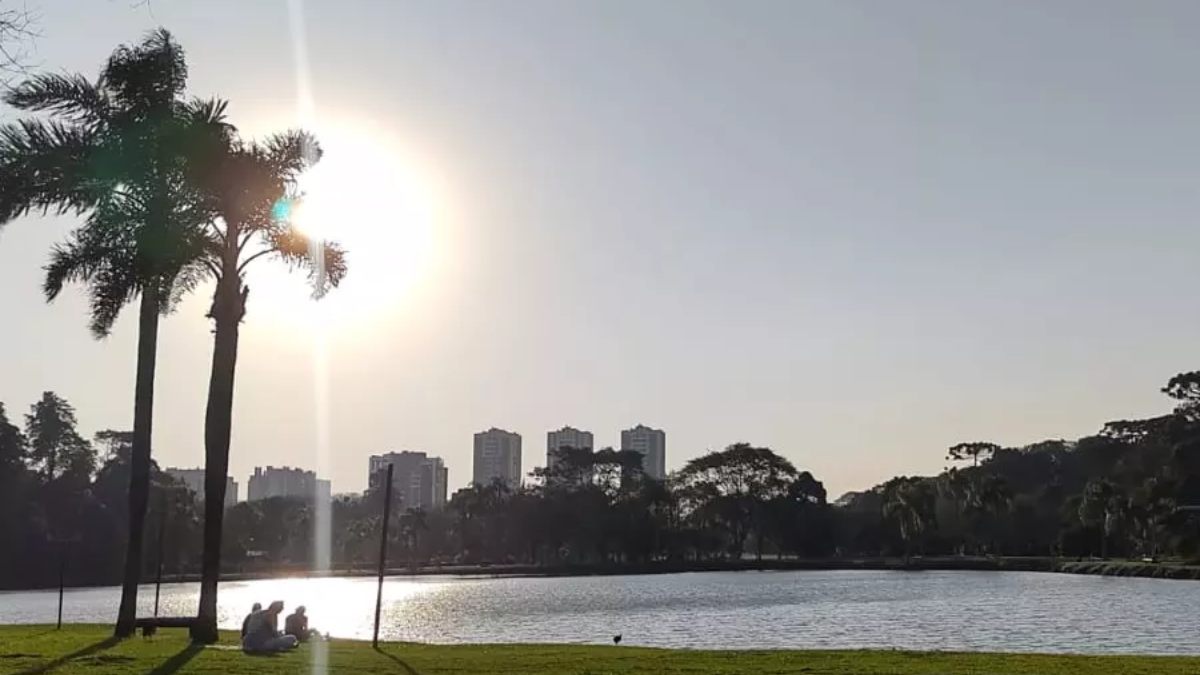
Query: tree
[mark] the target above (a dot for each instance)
(910, 502)
(974, 451)
(476, 509)
(987, 497)
(1185, 388)
(1101, 507)
(12, 445)
(413, 523)
(116, 149)
(792, 517)
(116, 444)
(55, 447)
(250, 188)
(729, 488)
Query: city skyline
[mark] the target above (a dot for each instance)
(193, 478)
(838, 237)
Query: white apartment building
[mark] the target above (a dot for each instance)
(652, 445)
(566, 437)
(497, 456)
(419, 479)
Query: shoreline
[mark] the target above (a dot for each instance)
(39, 648)
(1159, 570)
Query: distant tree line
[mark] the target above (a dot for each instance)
(1123, 492)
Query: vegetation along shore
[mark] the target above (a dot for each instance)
(89, 649)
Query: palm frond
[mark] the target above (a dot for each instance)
(324, 261)
(208, 111)
(147, 76)
(71, 96)
(48, 165)
(97, 255)
(287, 154)
(186, 281)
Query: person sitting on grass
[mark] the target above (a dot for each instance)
(262, 635)
(246, 621)
(296, 625)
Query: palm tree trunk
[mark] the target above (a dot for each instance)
(218, 420)
(139, 462)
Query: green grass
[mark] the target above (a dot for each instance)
(88, 649)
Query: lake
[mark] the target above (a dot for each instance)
(977, 611)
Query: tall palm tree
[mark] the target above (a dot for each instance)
(115, 149)
(251, 189)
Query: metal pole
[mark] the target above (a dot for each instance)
(162, 528)
(62, 575)
(387, 512)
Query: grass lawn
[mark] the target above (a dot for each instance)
(88, 649)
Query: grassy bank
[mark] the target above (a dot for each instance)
(88, 649)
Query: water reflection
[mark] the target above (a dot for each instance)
(929, 610)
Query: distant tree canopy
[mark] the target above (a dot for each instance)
(1116, 493)
(55, 448)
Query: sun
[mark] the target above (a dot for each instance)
(368, 197)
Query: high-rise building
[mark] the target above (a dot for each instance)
(497, 457)
(194, 480)
(652, 445)
(286, 482)
(419, 479)
(566, 437)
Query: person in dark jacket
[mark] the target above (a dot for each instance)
(262, 633)
(296, 625)
(246, 621)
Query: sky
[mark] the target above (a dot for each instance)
(854, 232)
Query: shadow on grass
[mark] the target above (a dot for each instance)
(400, 662)
(178, 661)
(77, 654)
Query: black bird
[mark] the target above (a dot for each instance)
(149, 630)
(617, 639)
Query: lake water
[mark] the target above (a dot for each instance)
(984, 611)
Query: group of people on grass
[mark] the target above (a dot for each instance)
(260, 629)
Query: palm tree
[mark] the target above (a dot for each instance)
(115, 149)
(250, 186)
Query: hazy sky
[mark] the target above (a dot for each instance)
(856, 232)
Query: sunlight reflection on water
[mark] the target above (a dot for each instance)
(975, 611)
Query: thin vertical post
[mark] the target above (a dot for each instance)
(162, 528)
(62, 576)
(387, 513)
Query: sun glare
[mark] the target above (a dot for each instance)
(370, 199)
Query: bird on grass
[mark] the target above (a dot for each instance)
(149, 630)
(617, 639)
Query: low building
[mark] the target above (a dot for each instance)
(285, 481)
(194, 480)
